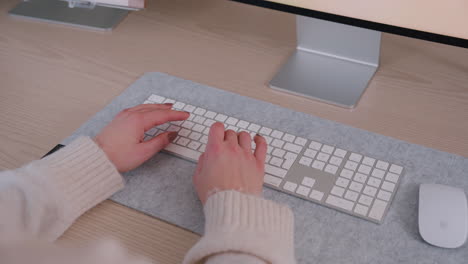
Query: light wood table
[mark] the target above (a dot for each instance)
(54, 78)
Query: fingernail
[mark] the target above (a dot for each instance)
(187, 112)
(172, 136)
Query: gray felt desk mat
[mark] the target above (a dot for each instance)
(162, 187)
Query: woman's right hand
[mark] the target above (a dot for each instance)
(229, 163)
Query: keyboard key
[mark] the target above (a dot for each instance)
(336, 161)
(350, 195)
(276, 161)
(340, 153)
(359, 177)
(396, 169)
(355, 157)
(361, 209)
(202, 148)
(183, 151)
(382, 165)
(368, 161)
(178, 105)
(277, 143)
(315, 145)
(364, 169)
(305, 161)
(210, 114)
(302, 190)
(148, 102)
(287, 164)
(300, 141)
(220, 118)
(331, 169)
(377, 210)
(290, 156)
(156, 98)
(339, 202)
(164, 126)
(254, 127)
(288, 138)
(378, 173)
(318, 165)
(243, 124)
(278, 153)
(277, 134)
(290, 186)
(184, 132)
(328, 149)
(338, 191)
(310, 153)
(173, 128)
(323, 157)
(272, 180)
(168, 101)
(232, 121)
(347, 174)
(392, 177)
(268, 139)
(374, 182)
(309, 182)
(199, 119)
(198, 128)
(355, 186)
(388, 186)
(206, 131)
(177, 123)
(195, 135)
(209, 122)
(199, 111)
(267, 158)
(342, 182)
(152, 131)
(384, 195)
(316, 195)
(194, 145)
(292, 147)
(351, 165)
(275, 171)
(183, 141)
(188, 124)
(189, 108)
(233, 128)
(371, 191)
(366, 200)
(265, 131)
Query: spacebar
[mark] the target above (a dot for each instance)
(184, 152)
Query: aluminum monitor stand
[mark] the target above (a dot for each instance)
(86, 15)
(332, 63)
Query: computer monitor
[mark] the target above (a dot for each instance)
(338, 42)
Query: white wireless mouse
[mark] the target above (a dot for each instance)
(443, 215)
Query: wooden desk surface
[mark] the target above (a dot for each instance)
(53, 78)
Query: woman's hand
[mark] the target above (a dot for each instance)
(122, 139)
(229, 164)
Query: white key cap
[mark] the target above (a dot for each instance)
(209, 122)
(204, 139)
(359, 177)
(374, 182)
(184, 132)
(156, 98)
(177, 123)
(336, 161)
(272, 180)
(210, 114)
(302, 190)
(364, 169)
(202, 148)
(347, 174)
(268, 139)
(355, 157)
(232, 121)
(277, 134)
(189, 108)
(371, 191)
(366, 200)
(368, 161)
(183, 151)
(206, 131)
(290, 156)
(277, 143)
(338, 191)
(339, 202)
(199, 111)
(168, 101)
(340, 152)
(190, 117)
(342, 182)
(384, 195)
(290, 186)
(305, 161)
(315, 145)
(278, 153)
(146, 138)
(361, 209)
(388, 186)
(378, 173)
(267, 158)
(287, 164)
(220, 117)
(300, 141)
(392, 177)
(233, 128)
(243, 124)
(269, 149)
(328, 149)
(194, 145)
(178, 105)
(265, 131)
(309, 182)
(276, 161)
(183, 141)
(275, 171)
(350, 195)
(198, 128)
(199, 119)
(318, 165)
(254, 127)
(173, 128)
(316, 195)
(331, 169)
(164, 126)
(310, 153)
(396, 169)
(382, 165)
(152, 131)
(355, 186)
(188, 124)
(323, 157)
(292, 147)
(148, 102)
(195, 136)
(377, 210)
(351, 165)
(288, 137)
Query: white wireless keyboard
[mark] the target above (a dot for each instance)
(328, 175)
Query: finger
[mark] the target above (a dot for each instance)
(245, 141)
(150, 107)
(231, 137)
(161, 116)
(199, 168)
(149, 148)
(216, 135)
(260, 149)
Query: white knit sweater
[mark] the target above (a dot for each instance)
(39, 201)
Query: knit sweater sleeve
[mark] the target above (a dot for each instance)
(42, 199)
